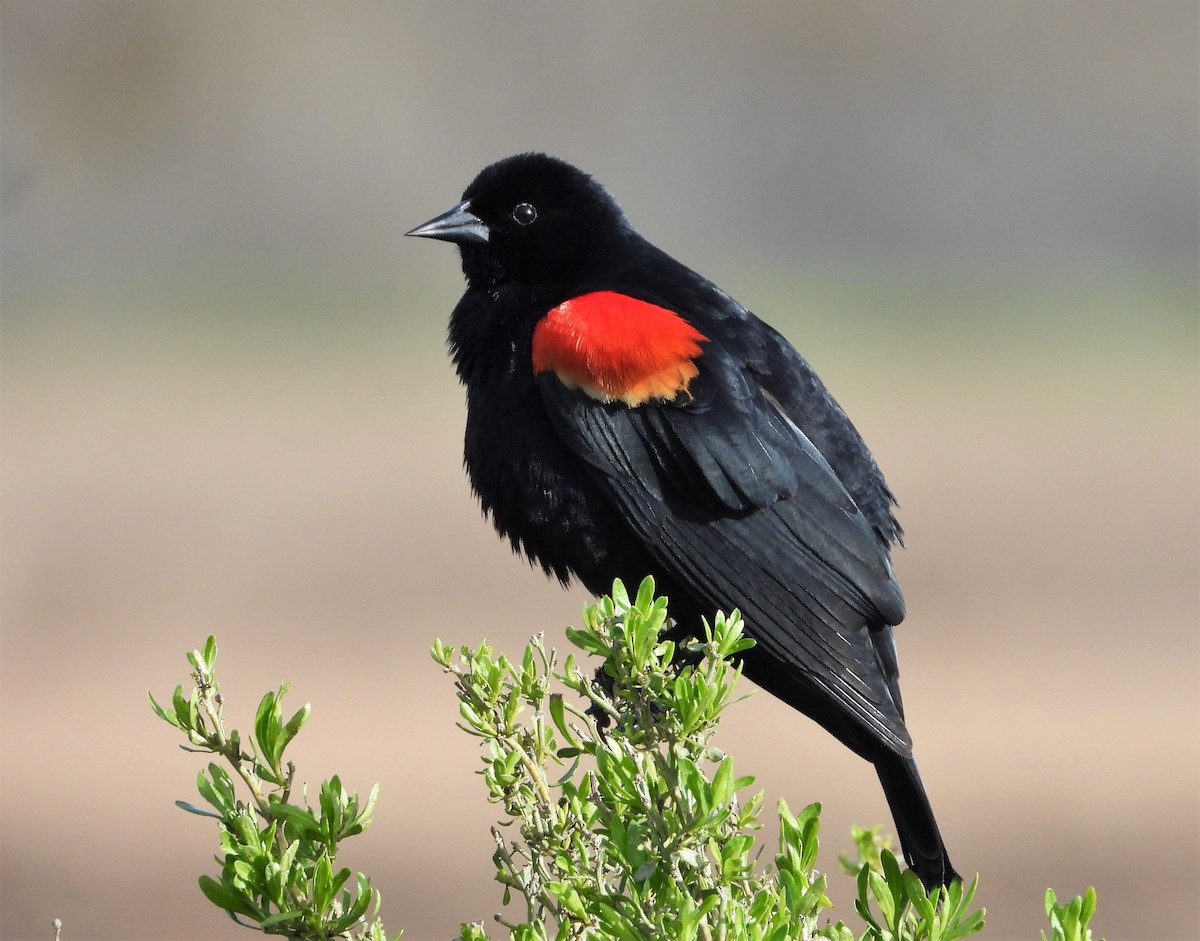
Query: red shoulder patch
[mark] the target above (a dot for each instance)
(615, 347)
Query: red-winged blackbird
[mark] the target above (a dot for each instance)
(627, 417)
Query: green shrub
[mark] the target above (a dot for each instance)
(623, 821)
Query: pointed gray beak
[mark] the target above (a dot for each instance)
(457, 224)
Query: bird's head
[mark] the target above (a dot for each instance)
(530, 217)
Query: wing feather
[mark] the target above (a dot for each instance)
(736, 502)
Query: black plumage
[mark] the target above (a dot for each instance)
(730, 474)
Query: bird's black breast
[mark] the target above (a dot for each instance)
(534, 490)
(538, 495)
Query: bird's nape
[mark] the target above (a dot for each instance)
(627, 417)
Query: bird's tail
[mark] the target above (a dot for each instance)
(923, 848)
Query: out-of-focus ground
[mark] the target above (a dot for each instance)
(226, 409)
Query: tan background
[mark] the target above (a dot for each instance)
(226, 408)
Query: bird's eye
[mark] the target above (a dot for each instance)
(523, 214)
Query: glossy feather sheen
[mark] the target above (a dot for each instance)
(617, 348)
(651, 424)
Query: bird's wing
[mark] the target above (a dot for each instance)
(737, 504)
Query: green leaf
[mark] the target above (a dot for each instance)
(227, 898)
(209, 654)
(293, 726)
(588, 642)
(322, 885)
(862, 904)
(280, 918)
(559, 718)
(245, 828)
(722, 784)
(362, 819)
(185, 710)
(645, 593)
(266, 729)
(299, 817)
(569, 898)
(333, 799)
(167, 715)
(339, 880)
(620, 597)
(214, 791)
(914, 889)
(191, 809)
(616, 923)
(443, 654)
(1088, 906)
(1069, 922)
(353, 912)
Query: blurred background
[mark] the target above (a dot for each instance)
(227, 409)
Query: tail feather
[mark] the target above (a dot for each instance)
(920, 839)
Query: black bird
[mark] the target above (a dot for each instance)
(627, 417)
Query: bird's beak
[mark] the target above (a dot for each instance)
(457, 224)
